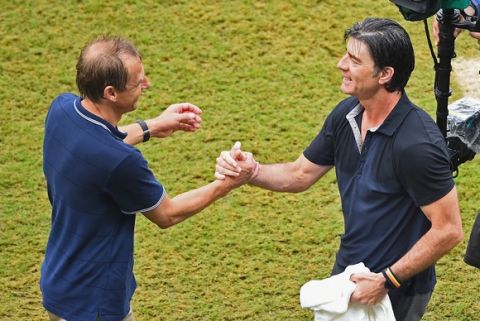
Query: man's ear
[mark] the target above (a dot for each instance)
(386, 74)
(109, 93)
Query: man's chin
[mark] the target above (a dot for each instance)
(345, 90)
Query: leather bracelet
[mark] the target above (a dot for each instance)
(388, 284)
(391, 280)
(146, 130)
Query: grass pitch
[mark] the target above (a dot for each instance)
(264, 73)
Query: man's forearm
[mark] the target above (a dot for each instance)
(286, 177)
(277, 177)
(428, 250)
(291, 177)
(189, 203)
(179, 208)
(134, 133)
(445, 233)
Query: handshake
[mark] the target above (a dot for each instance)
(236, 166)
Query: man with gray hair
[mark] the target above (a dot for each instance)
(97, 181)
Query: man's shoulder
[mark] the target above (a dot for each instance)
(418, 123)
(64, 98)
(418, 133)
(417, 114)
(62, 102)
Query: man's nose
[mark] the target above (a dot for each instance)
(146, 83)
(342, 63)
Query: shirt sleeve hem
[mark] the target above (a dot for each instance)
(317, 162)
(436, 196)
(148, 208)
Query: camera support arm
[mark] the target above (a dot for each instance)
(446, 51)
(449, 20)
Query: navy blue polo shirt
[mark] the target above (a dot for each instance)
(401, 165)
(96, 183)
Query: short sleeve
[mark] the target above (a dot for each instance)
(424, 170)
(322, 149)
(133, 186)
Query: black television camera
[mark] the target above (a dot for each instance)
(450, 15)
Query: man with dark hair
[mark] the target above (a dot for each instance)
(97, 181)
(393, 171)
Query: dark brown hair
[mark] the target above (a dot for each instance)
(101, 64)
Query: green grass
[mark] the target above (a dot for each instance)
(263, 73)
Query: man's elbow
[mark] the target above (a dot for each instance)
(162, 220)
(164, 225)
(299, 189)
(166, 221)
(455, 236)
(459, 235)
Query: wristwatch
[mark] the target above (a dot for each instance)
(146, 130)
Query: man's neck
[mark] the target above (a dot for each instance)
(379, 106)
(103, 110)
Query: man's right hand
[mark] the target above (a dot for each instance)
(234, 163)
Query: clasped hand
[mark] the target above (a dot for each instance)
(236, 163)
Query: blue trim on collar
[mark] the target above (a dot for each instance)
(94, 119)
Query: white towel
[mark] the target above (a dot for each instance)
(330, 299)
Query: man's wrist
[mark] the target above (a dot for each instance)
(222, 187)
(391, 280)
(255, 172)
(145, 129)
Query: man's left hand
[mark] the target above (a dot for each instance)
(370, 288)
(183, 116)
